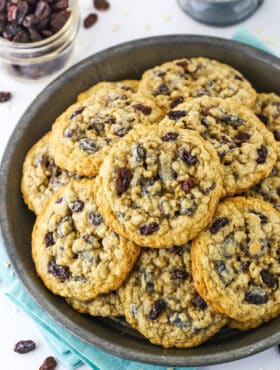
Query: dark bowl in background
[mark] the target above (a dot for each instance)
(125, 61)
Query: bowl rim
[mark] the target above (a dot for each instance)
(61, 319)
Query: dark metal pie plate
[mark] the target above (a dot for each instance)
(124, 61)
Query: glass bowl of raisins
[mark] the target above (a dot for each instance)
(37, 37)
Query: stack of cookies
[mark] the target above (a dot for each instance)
(159, 200)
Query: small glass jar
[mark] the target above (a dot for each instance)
(41, 58)
(220, 12)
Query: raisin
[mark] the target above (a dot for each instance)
(149, 229)
(69, 132)
(58, 271)
(24, 346)
(58, 20)
(262, 217)
(278, 254)
(123, 178)
(5, 96)
(161, 90)
(77, 206)
(22, 11)
(186, 157)
(176, 114)
(220, 267)
(187, 185)
(256, 296)
(276, 134)
(262, 154)
(216, 225)
(234, 121)
(49, 364)
(224, 272)
(178, 274)
(202, 92)
(241, 137)
(201, 304)
(30, 20)
(95, 218)
(43, 10)
(34, 35)
(49, 239)
(77, 112)
(90, 20)
(263, 118)
(245, 266)
(179, 320)
(268, 279)
(139, 152)
(143, 109)
(157, 308)
(88, 146)
(278, 190)
(60, 4)
(170, 136)
(176, 101)
(12, 13)
(183, 63)
(101, 4)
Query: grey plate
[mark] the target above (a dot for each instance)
(124, 61)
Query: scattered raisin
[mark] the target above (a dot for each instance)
(149, 229)
(186, 157)
(24, 346)
(176, 114)
(58, 271)
(178, 274)
(216, 225)
(176, 101)
(256, 296)
(268, 279)
(262, 154)
(49, 364)
(157, 308)
(123, 178)
(241, 137)
(5, 96)
(101, 4)
(187, 185)
(77, 206)
(263, 118)
(143, 109)
(201, 304)
(90, 20)
(170, 136)
(49, 239)
(95, 218)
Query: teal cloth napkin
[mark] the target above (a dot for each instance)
(71, 351)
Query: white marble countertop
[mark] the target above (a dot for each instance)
(126, 20)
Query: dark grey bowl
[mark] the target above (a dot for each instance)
(124, 61)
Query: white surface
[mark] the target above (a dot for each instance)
(126, 20)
